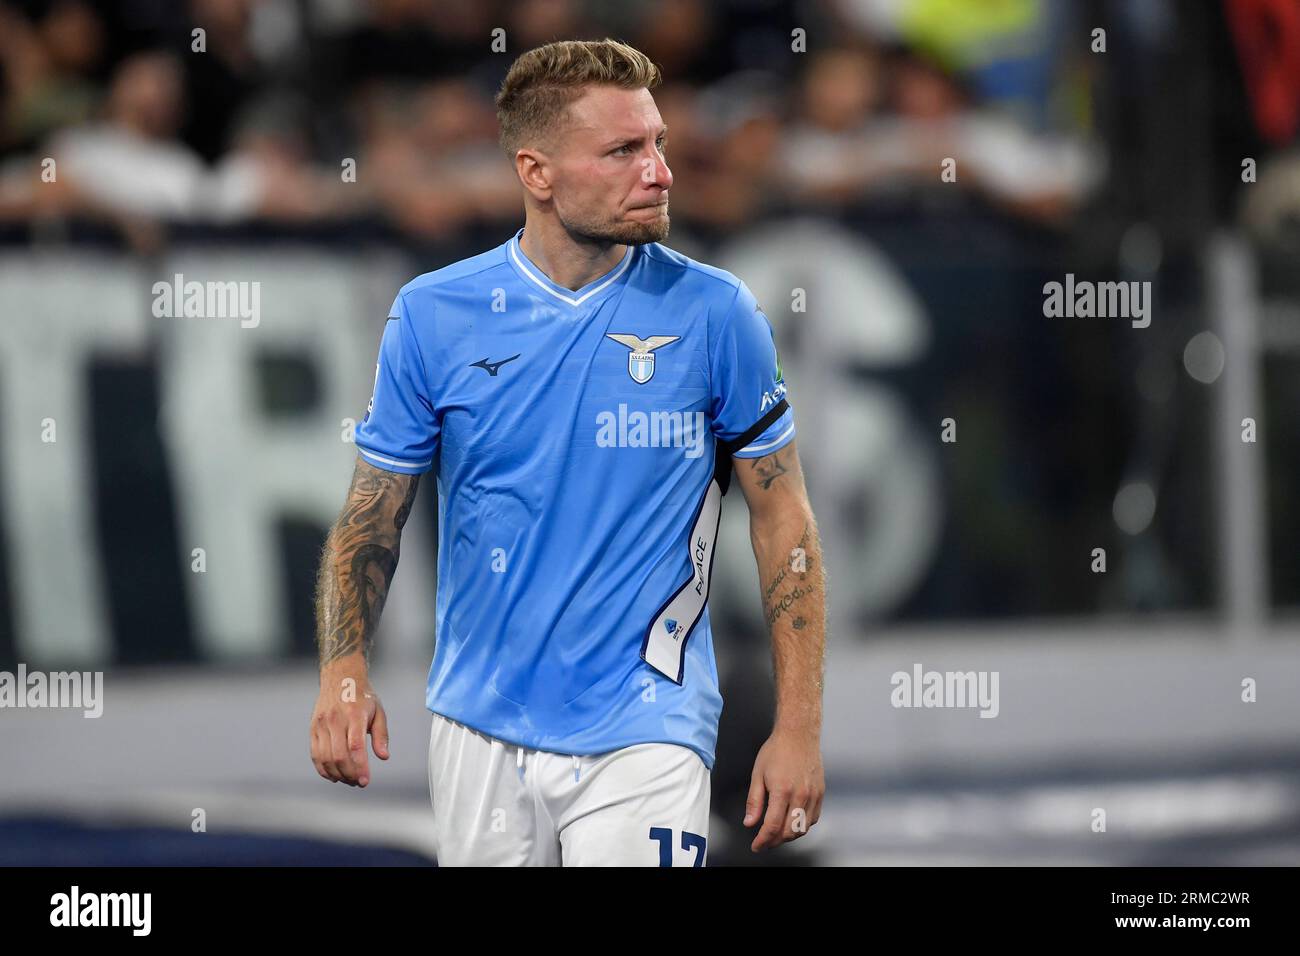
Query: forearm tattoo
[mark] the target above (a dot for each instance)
(795, 578)
(359, 560)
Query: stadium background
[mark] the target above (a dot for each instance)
(329, 150)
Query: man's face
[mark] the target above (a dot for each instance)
(609, 177)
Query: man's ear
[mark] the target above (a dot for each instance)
(533, 167)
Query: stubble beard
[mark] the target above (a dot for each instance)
(622, 233)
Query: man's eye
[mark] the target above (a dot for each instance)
(623, 147)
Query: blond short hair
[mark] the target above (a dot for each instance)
(541, 84)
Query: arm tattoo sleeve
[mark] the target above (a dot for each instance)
(359, 560)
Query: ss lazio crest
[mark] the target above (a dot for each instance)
(641, 360)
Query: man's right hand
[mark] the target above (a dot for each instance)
(346, 710)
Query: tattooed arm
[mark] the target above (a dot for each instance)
(788, 770)
(356, 569)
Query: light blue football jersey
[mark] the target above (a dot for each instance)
(581, 441)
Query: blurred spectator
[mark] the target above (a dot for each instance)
(845, 147)
(432, 154)
(678, 35)
(1009, 52)
(48, 69)
(826, 150)
(129, 168)
(221, 80)
(729, 171)
(257, 125)
(416, 39)
(535, 22)
(131, 162)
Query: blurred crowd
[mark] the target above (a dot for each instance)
(145, 115)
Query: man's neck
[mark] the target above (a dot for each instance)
(566, 262)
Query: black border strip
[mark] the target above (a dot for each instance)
(760, 426)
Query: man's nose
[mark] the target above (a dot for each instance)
(655, 171)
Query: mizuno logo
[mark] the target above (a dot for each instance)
(492, 367)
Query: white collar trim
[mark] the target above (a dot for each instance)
(521, 261)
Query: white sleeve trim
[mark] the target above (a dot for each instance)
(395, 461)
(775, 441)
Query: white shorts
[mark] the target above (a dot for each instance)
(498, 804)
